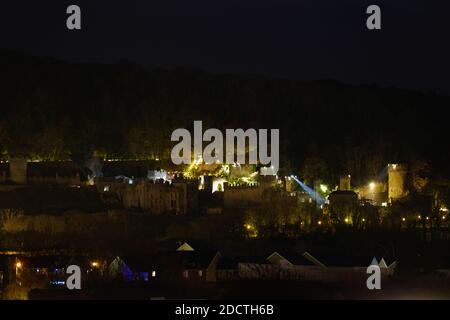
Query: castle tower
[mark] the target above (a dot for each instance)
(344, 182)
(396, 181)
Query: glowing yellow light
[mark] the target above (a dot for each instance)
(419, 217)
(428, 218)
(443, 218)
(403, 219)
(95, 264)
(372, 186)
(394, 166)
(319, 222)
(18, 265)
(364, 220)
(324, 188)
(346, 220)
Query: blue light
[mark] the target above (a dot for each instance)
(382, 175)
(314, 195)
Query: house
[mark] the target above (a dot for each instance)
(200, 265)
(118, 270)
(275, 266)
(185, 265)
(340, 268)
(300, 267)
(227, 270)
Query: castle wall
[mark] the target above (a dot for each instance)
(242, 197)
(158, 198)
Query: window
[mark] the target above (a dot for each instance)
(153, 274)
(186, 274)
(200, 273)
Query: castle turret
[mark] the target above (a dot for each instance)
(344, 182)
(396, 181)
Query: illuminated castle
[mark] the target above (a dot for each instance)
(396, 182)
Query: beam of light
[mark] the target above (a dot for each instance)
(382, 175)
(314, 195)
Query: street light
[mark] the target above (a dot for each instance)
(372, 186)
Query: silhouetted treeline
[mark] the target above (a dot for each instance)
(56, 110)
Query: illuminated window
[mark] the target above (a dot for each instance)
(200, 273)
(186, 274)
(153, 274)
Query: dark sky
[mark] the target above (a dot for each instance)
(299, 39)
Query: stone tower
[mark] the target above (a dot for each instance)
(344, 182)
(396, 181)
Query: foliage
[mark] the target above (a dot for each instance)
(54, 110)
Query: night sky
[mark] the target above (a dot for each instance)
(297, 39)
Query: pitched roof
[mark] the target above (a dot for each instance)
(374, 262)
(276, 258)
(185, 247)
(313, 259)
(382, 263)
